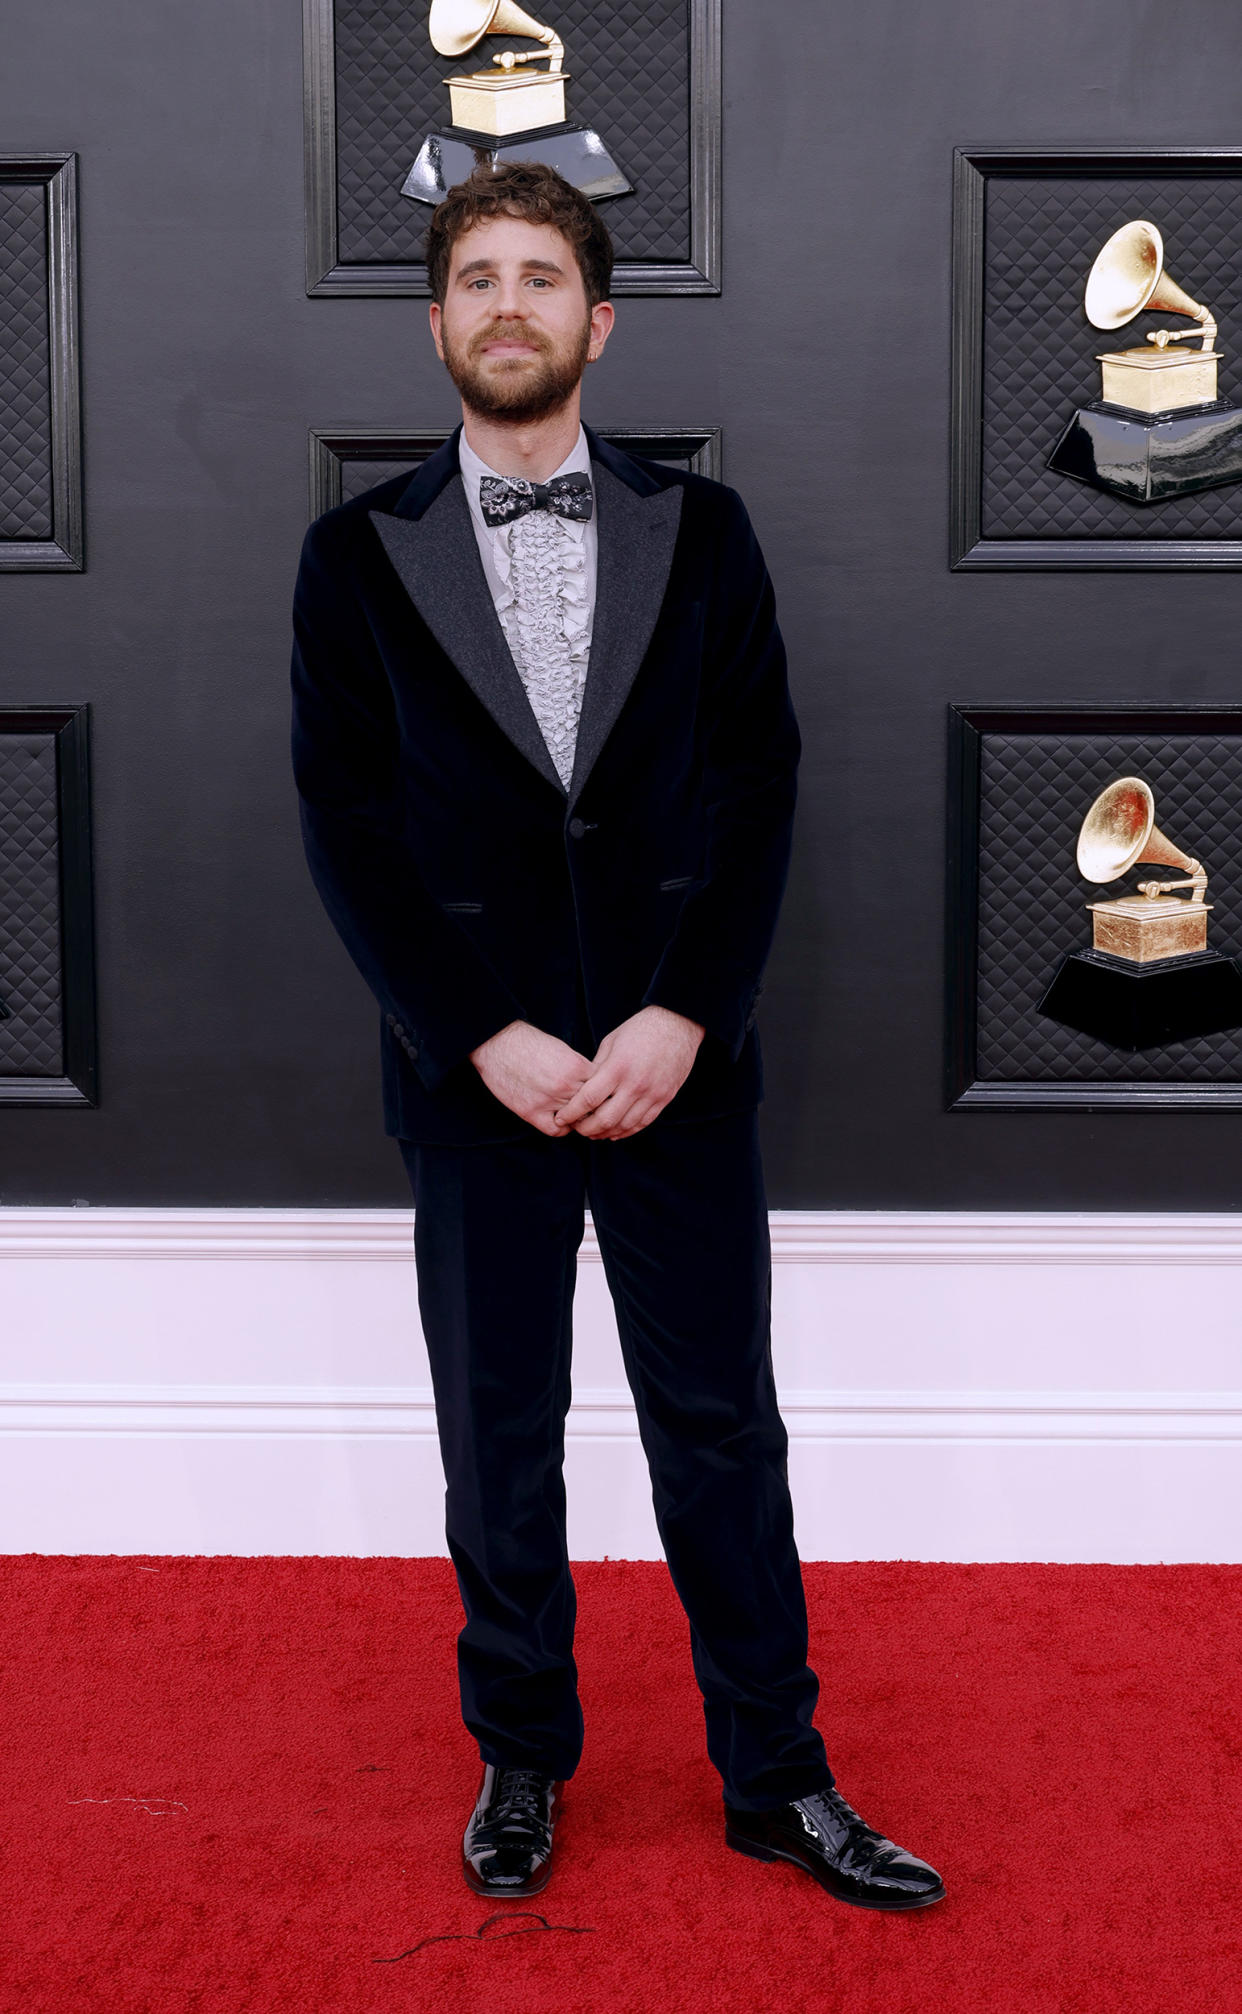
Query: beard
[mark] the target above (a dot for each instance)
(517, 389)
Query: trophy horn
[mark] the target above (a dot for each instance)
(456, 25)
(1120, 829)
(1129, 275)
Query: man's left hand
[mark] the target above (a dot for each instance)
(635, 1071)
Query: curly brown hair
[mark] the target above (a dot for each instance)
(521, 189)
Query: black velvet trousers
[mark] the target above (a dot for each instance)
(681, 1217)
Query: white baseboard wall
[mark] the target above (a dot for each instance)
(956, 1387)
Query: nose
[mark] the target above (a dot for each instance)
(508, 303)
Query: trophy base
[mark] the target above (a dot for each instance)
(1146, 932)
(1148, 457)
(576, 152)
(1158, 381)
(1143, 1006)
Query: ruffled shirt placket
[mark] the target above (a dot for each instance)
(545, 613)
(540, 571)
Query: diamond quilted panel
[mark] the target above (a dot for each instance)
(1040, 351)
(359, 474)
(30, 1040)
(628, 77)
(25, 408)
(1036, 789)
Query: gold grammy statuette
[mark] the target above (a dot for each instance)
(510, 111)
(507, 98)
(1158, 428)
(1149, 976)
(1118, 833)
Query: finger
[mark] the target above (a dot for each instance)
(598, 1123)
(636, 1120)
(548, 1121)
(588, 1097)
(626, 1119)
(614, 1119)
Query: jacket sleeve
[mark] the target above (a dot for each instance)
(712, 967)
(439, 995)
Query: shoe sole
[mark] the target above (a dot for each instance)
(756, 1852)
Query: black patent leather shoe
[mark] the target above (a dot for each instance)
(825, 1835)
(507, 1849)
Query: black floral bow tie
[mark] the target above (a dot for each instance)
(507, 497)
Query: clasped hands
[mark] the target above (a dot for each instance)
(635, 1071)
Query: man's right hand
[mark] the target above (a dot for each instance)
(532, 1073)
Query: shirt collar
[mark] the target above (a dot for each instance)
(473, 467)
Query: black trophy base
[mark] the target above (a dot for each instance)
(1143, 1006)
(1148, 457)
(576, 152)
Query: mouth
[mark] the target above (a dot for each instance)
(508, 346)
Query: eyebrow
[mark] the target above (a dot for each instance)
(489, 266)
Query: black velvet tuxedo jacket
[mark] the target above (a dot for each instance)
(470, 889)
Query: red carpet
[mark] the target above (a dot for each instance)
(238, 1785)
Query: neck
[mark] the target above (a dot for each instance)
(531, 448)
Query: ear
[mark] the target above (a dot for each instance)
(436, 321)
(603, 316)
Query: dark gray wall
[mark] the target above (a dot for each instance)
(238, 1049)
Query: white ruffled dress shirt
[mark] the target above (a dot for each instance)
(541, 572)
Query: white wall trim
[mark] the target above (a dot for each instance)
(601, 1413)
(967, 1385)
(814, 1237)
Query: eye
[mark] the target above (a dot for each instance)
(480, 282)
(538, 281)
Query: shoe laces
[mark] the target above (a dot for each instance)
(836, 1804)
(517, 1794)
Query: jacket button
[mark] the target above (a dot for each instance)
(396, 1027)
(576, 828)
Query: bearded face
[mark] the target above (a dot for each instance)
(515, 371)
(515, 328)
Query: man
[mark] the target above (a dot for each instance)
(546, 758)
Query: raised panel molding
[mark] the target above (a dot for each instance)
(40, 370)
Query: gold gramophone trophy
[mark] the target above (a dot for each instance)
(510, 111)
(1158, 429)
(1149, 976)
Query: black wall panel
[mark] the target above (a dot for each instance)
(238, 1049)
(25, 444)
(1032, 899)
(1041, 238)
(628, 66)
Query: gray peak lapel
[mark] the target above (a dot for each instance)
(436, 557)
(635, 553)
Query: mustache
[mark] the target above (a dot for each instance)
(501, 332)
